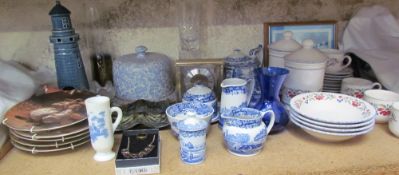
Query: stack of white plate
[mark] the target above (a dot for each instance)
(331, 116)
(333, 81)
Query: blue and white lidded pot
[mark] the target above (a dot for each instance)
(202, 94)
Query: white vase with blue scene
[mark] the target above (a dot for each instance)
(101, 127)
(192, 137)
(244, 131)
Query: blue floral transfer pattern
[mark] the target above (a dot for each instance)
(192, 157)
(260, 136)
(97, 126)
(203, 98)
(147, 78)
(235, 90)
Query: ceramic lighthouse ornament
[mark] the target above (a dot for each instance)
(68, 62)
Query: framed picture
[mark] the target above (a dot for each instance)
(323, 33)
(208, 72)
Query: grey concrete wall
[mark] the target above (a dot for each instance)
(123, 24)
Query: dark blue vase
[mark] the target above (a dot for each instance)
(270, 80)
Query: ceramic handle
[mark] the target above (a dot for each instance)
(118, 118)
(376, 85)
(349, 60)
(271, 123)
(250, 90)
(255, 51)
(393, 117)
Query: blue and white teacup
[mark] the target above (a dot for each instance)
(202, 94)
(180, 111)
(192, 137)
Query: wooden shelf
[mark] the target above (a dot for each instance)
(292, 151)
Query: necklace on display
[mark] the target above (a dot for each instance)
(127, 154)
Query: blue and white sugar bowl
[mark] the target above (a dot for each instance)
(180, 111)
(202, 94)
(244, 131)
(192, 137)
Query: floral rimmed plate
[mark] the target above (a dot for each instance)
(332, 108)
(332, 129)
(329, 125)
(329, 136)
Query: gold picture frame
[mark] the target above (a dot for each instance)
(189, 71)
(307, 30)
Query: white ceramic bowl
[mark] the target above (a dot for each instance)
(393, 124)
(181, 111)
(382, 100)
(330, 136)
(330, 129)
(330, 125)
(332, 108)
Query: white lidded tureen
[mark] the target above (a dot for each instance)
(202, 94)
(143, 75)
(279, 49)
(307, 67)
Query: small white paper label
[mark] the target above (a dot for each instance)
(151, 169)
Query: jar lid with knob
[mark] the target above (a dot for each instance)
(287, 44)
(307, 58)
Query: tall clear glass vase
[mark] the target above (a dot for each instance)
(189, 25)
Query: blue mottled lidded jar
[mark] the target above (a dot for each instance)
(143, 75)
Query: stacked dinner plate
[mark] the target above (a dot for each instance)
(49, 123)
(331, 116)
(333, 81)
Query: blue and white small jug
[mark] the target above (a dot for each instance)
(192, 136)
(236, 93)
(101, 127)
(244, 131)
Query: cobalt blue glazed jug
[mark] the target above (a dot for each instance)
(270, 80)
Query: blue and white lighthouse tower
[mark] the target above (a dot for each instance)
(68, 61)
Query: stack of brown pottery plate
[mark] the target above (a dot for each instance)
(332, 81)
(49, 123)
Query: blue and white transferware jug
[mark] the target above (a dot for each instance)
(236, 93)
(192, 136)
(240, 65)
(244, 131)
(101, 127)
